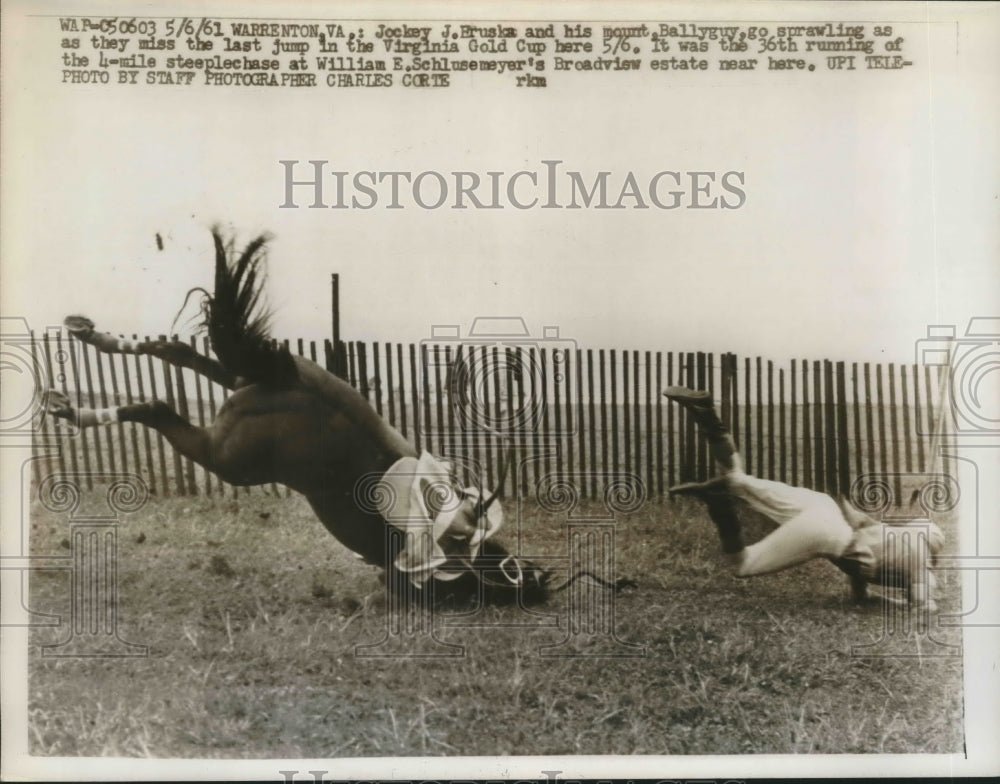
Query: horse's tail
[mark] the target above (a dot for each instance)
(237, 320)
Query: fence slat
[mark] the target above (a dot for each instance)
(894, 437)
(592, 421)
(782, 451)
(858, 451)
(168, 389)
(183, 409)
(626, 413)
(577, 422)
(612, 368)
(64, 383)
(701, 443)
(725, 400)
(659, 424)
(770, 419)
(880, 409)
(495, 445)
(636, 416)
(118, 429)
(671, 432)
(558, 377)
(544, 398)
(95, 433)
(807, 479)
(691, 441)
(747, 417)
(918, 421)
(353, 362)
(819, 475)
(525, 408)
(377, 378)
(425, 413)
(931, 419)
(830, 428)
(734, 371)
(390, 397)
(907, 433)
(448, 359)
(869, 420)
(651, 434)
(844, 463)
(438, 403)
(759, 407)
(41, 355)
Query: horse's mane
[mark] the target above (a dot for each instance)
(237, 320)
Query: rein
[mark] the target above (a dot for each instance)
(617, 586)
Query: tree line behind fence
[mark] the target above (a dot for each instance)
(582, 416)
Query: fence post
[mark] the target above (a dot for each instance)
(337, 356)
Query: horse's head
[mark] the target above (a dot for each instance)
(504, 575)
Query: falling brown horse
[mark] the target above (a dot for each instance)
(290, 421)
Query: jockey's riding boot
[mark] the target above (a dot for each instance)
(691, 398)
(699, 405)
(724, 452)
(723, 513)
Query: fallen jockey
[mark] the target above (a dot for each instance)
(810, 524)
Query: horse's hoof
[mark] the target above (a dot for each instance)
(59, 405)
(79, 326)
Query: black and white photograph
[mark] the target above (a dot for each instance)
(550, 391)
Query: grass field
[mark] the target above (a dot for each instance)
(252, 612)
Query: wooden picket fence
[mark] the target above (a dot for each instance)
(586, 415)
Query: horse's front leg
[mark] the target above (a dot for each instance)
(175, 352)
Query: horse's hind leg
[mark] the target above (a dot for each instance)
(194, 443)
(175, 352)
